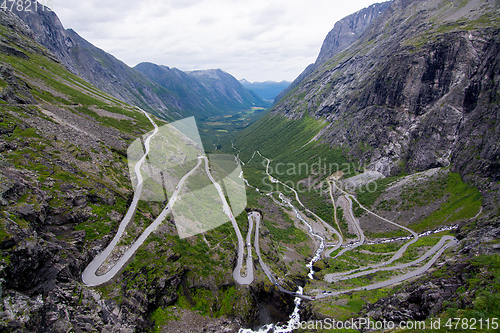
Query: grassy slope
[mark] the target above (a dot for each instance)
(53, 86)
(288, 141)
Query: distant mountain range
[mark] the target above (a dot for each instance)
(267, 90)
(168, 93)
(213, 91)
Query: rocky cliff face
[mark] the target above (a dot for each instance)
(348, 30)
(419, 89)
(47, 30)
(344, 33)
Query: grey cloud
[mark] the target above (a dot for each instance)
(258, 39)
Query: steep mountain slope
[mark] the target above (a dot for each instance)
(96, 66)
(62, 170)
(214, 91)
(266, 90)
(419, 89)
(417, 93)
(348, 30)
(343, 34)
(64, 188)
(172, 100)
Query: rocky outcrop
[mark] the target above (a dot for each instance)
(348, 30)
(17, 91)
(411, 94)
(430, 295)
(49, 32)
(344, 33)
(417, 301)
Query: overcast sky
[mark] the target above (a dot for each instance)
(258, 40)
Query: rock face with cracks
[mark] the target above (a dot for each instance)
(418, 89)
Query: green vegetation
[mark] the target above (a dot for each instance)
(343, 224)
(204, 301)
(3, 234)
(416, 249)
(288, 235)
(481, 291)
(344, 307)
(138, 119)
(215, 131)
(463, 202)
(161, 316)
(289, 144)
(368, 198)
(420, 195)
(466, 23)
(319, 205)
(357, 210)
(66, 90)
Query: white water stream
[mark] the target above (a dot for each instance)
(294, 318)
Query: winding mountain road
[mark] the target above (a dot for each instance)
(240, 278)
(444, 243)
(256, 216)
(375, 268)
(89, 276)
(442, 246)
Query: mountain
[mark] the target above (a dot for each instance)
(415, 94)
(96, 66)
(405, 119)
(414, 99)
(63, 177)
(266, 90)
(213, 91)
(64, 188)
(111, 75)
(227, 86)
(343, 34)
